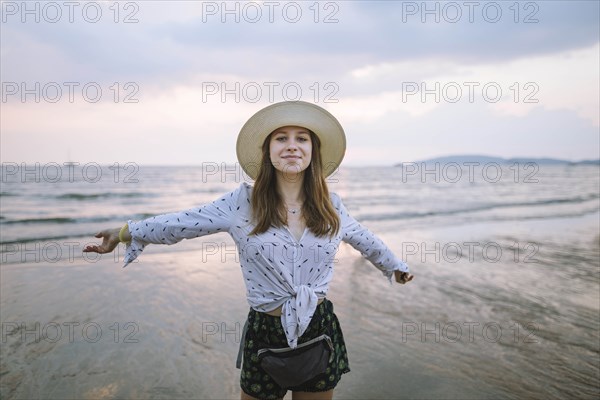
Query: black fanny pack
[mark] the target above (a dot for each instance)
(292, 367)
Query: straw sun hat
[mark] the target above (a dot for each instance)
(291, 113)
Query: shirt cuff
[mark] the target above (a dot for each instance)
(133, 248)
(402, 266)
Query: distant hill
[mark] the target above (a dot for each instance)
(459, 159)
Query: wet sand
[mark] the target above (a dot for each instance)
(168, 326)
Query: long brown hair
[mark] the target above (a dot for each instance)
(268, 208)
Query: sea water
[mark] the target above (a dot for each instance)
(505, 301)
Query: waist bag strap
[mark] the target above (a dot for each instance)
(238, 362)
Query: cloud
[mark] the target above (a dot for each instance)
(183, 38)
(567, 80)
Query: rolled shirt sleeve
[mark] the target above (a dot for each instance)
(368, 244)
(174, 227)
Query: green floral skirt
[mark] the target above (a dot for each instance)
(266, 331)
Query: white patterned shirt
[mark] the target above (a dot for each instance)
(278, 269)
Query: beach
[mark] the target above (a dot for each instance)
(480, 320)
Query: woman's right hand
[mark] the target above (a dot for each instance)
(109, 242)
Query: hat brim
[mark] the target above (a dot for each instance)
(291, 113)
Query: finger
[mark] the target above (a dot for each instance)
(98, 235)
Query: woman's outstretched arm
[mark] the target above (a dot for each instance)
(371, 246)
(170, 228)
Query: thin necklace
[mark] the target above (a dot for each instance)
(293, 210)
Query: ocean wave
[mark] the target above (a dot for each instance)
(5, 245)
(93, 196)
(56, 220)
(487, 207)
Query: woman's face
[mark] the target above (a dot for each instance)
(290, 149)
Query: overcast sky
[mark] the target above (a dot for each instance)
(171, 83)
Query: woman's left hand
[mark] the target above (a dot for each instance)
(403, 277)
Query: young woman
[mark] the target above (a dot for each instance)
(287, 228)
